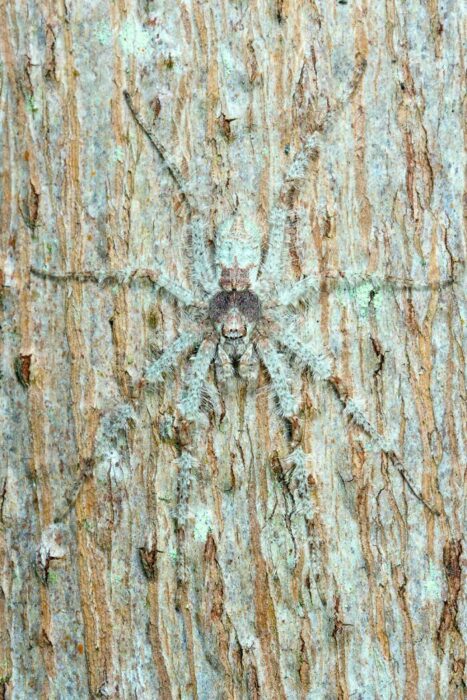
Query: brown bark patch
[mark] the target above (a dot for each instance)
(452, 553)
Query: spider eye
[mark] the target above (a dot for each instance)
(248, 305)
(219, 305)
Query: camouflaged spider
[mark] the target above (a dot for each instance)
(246, 315)
(242, 310)
(238, 303)
(245, 311)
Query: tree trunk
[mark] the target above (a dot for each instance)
(339, 580)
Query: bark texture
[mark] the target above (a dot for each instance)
(353, 591)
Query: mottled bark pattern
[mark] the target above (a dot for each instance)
(343, 579)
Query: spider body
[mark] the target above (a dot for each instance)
(244, 318)
(234, 314)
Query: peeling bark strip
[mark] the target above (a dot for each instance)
(321, 142)
(23, 369)
(452, 553)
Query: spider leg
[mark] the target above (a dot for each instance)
(272, 266)
(297, 474)
(298, 290)
(248, 365)
(170, 357)
(202, 269)
(296, 460)
(192, 392)
(280, 377)
(184, 481)
(162, 151)
(159, 278)
(320, 365)
(271, 269)
(313, 283)
(186, 466)
(175, 289)
(189, 410)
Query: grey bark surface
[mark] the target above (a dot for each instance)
(355, 591)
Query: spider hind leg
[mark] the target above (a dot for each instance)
(248, 366)
(281, 381)
(224, 368)
(196, 377)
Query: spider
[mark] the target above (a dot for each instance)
(243, 311)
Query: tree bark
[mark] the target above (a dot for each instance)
(351, 591)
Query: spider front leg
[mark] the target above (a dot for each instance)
(279, 374)
(271, 269)
(188, 407)
(320, 366)
(295, 463)
(155, 275)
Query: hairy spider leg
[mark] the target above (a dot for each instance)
(203, 271)
(178, 291)
(280, 377)
(271, 268)
(192, 393)
(320, 366)
(157, 276)
(298, 290)
(102, 277)
(202, 268)
(318, 363)
(169, 358)
(189, 408)
(186, 465)
(291, 293)
(161, 150)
